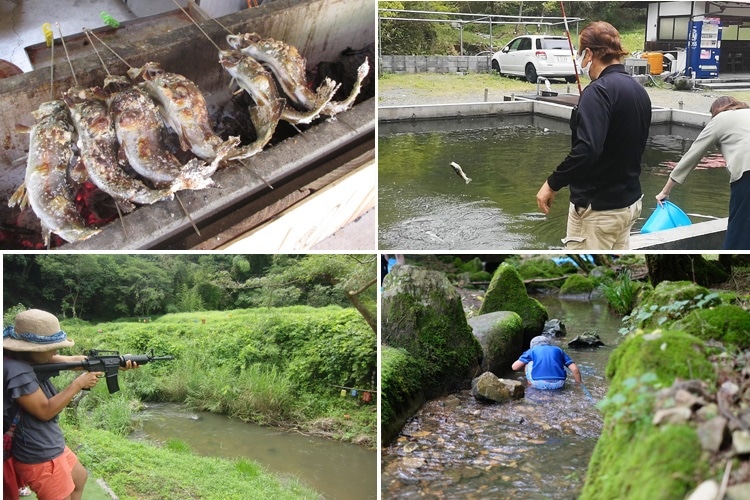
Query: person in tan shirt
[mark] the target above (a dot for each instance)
(729, 130)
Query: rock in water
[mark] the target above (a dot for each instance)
(586, 340)
(488, 387)
(554, 328)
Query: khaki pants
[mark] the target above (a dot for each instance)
(601, 229)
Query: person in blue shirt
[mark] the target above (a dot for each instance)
(545, 364)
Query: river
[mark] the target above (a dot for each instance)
(337, 470)
(536, 447)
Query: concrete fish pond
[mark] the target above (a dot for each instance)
(336, 470)
(508, 153)
(539, 446)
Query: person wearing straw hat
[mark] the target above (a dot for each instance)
(610, 128)
(31, 405)
(544, 365)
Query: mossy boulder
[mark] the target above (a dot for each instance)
(662, 463)
(541, 267)
(726, 323)
(473, 266)
(508, 293)
(633, 458)
(401, 391)
(501, 336)
(670, 301)
(481, 276)
(422, 313)
(578, 285)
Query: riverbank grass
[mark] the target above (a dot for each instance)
(143, 471)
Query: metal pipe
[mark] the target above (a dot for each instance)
(572, 53)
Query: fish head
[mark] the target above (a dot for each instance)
(49, 108)
(75, 95)
(243, 40)
(230, 58)
(116, 83)
(148, 71)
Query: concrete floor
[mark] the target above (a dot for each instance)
(21, 22)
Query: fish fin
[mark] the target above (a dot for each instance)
(468, 180)
(195, 175)
(19, 197)
(125, 206)
(22, 129)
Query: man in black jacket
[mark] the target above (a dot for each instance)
(610, 128)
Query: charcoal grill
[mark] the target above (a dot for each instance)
(320, 29)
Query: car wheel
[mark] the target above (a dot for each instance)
(570, 79)
(496, 67)
(531, 73)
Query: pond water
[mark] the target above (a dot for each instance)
(536, 447)
(336, 470)
(424, 205)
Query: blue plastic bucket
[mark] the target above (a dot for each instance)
(667, 215)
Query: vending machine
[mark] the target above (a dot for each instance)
(704, 44)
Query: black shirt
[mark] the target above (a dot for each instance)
(610, 129)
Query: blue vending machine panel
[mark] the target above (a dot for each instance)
(704, 44)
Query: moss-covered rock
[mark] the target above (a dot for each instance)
(541, 267)
(508, 293)
(401, 391)
(661, 463)
(670, 301)
(725, 323)
(473, 266)
(422, 313)
(633, 458)
(501, 336)
(577, 284)
(481, 276)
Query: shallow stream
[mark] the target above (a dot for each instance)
(337, 470)
(536, 447)
(423, 204)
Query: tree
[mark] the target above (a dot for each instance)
(71, 281)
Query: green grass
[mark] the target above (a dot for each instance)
(139, 470)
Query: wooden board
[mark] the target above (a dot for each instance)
(324, 213)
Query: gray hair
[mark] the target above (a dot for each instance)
(539, 340)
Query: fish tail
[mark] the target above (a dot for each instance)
(467, 179)
(194, 175)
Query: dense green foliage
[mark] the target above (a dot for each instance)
(577, 284)
(268, 365)
(443, 38)
(402, 390)
(107, 287)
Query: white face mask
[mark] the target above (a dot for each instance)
(579, 62)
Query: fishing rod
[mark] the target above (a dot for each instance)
(570, 44)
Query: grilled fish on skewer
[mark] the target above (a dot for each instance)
(184, 109)
(97, 143)
(251, 77)
(288, 66)
(46, 187)
(139, 129)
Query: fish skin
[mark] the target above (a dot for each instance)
(288, 66)
(98, 146)
(184, 109)
(46, 187)
(139, 129)
(459, 171)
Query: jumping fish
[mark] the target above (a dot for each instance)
(457, 168)
(256, 81)
(184, 109)
(98, 147)
(288, 66)
(46, 187)
(139, 129)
